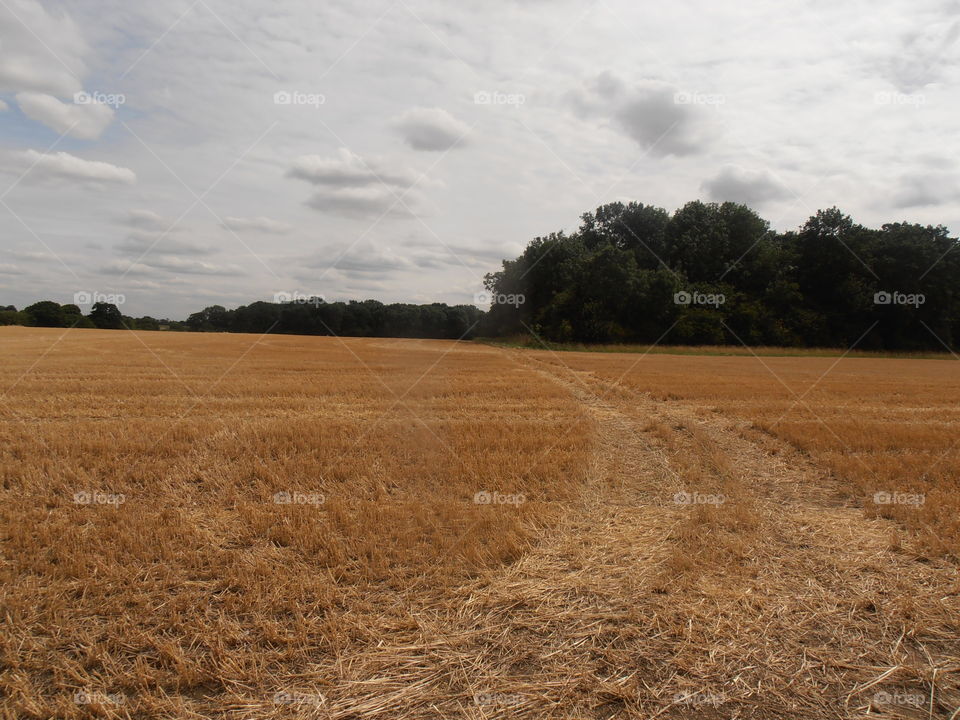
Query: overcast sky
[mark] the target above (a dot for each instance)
(192, 152)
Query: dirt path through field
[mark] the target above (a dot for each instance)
(708, 571)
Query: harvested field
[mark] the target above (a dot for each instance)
(237, 526)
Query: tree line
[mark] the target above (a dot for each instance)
(311, 316)
(718, 274)
(707, 274)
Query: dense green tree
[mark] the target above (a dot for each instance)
(106, 316)
(45, 313)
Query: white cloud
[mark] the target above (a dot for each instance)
(146, 219)
(348, 170)
(431, 129)
(259, 224)
(64, 166)
(3, 106)
(41, 51)
(351, 186)
(85, 122)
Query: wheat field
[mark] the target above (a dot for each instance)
(241, 526)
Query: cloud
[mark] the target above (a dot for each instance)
(661, 125)
(740, 185)
(8, 269)
(85, 122)
(662, 120)
(925, 190)
(146, 220)
(41, 52)
(259, 224)
(347, 170)
(169, 264)
(350, 186)
(922, 55)
(362, 261)
(173, 263)
(64, 166)
(431, 129)
(361, 202)
(3, 106)
(139, 242)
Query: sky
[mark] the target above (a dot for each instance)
(197, 152)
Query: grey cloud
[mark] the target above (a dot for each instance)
(350, 186)
(174, 263)
(259, 224)
(361, 202)
(139, 242)
(921, 56)
(362, 261)
(347, 170)
(657, 117)
(660, 125)
(926, 190)
(147, 220)
(160, 265)
(431, 129)
(751, 187)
